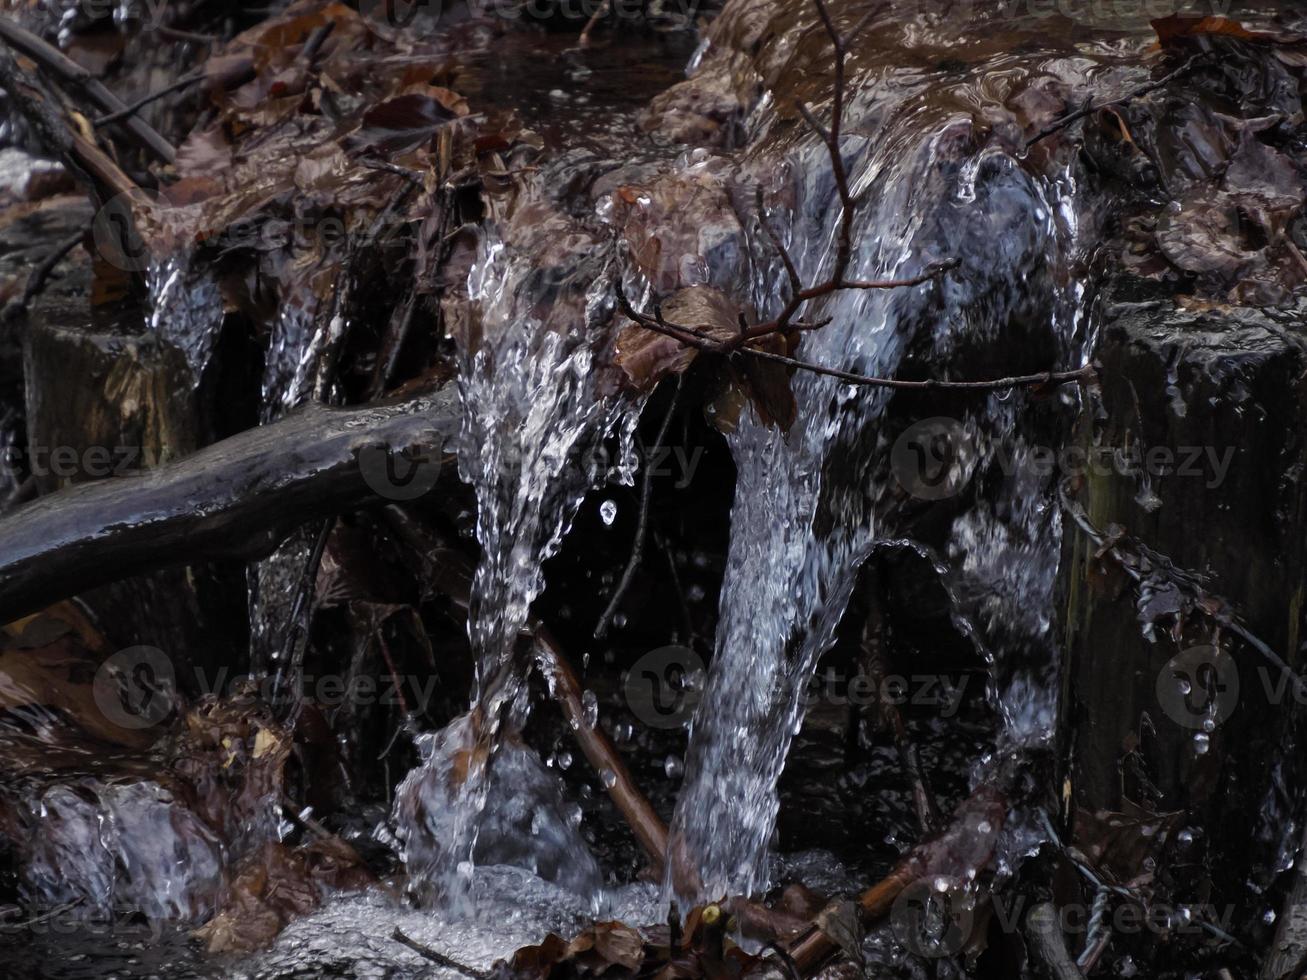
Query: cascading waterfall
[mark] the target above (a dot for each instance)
(532, 443)
(184, 309)
(811, 503)
(294, 351)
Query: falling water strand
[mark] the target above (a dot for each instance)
(532, 443)
(295, 346)
(184, 310)
(106, 847)
(807, 505)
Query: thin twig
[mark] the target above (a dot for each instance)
(1050, 945)
(1137, 563)
(796, 283)
(36, 281)
(313, 46)
(1042, 379)
(83, 157)
(177, 34)
(145, 100)
(687, 621)
(439, 958)
(55, 61)
(411, 175)
(642, 523)
(45, 916)
(600, 13)
(303, 819)
(1090, 107)
(785, 322)
(292, 649)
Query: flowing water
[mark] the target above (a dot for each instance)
(811, 503)
(532, 444)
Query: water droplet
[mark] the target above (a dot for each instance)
(590, 705)
(1202, 742)
(564, 760)
(608, 778)
(1209, 724)
(608, 512)
(672, 767)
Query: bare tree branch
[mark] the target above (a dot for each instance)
(785, 322)
(59, 64)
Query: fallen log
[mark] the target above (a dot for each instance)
(235, 499)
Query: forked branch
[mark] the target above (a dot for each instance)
(785, 323)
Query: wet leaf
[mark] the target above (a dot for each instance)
(1203, 237)
(1121, 842)
(1188, 25)
(405, 122)
(841, 924)
(647, 356)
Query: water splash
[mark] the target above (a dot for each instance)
(527, 821)
(106, 848)
(535, 425)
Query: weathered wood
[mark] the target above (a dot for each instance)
(134, 405)
(1231, 388)
(1287, 958)
(235, 499)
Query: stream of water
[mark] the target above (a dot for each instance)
(532, 443)
(811, 504)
